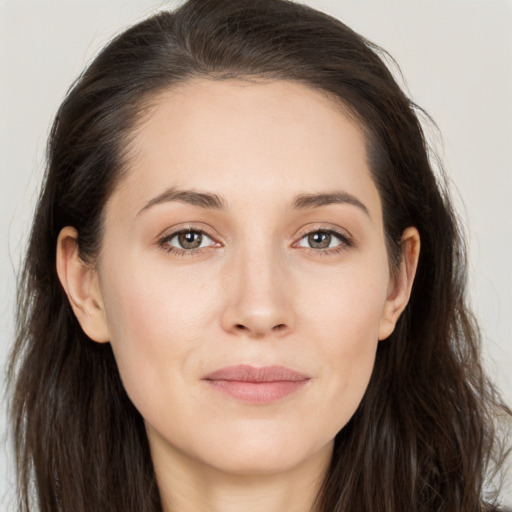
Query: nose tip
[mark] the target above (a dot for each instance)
(258, 302)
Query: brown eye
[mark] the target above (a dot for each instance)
(190, 239)
(324, 239)
(319, 240)
(187, 240)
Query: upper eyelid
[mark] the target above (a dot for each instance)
(174, 234)
(163, 242)
(328, 229)
(170, 233)
(345, 238)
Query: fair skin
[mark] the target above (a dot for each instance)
(284, 265)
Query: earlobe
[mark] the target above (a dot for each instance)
(80, 282)
(400, 290)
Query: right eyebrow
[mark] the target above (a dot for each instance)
(201, 199)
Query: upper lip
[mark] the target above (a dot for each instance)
(248, 373)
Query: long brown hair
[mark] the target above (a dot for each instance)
(422, 439)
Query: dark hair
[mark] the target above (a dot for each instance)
(423, 437)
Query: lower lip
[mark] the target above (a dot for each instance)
(257, 392)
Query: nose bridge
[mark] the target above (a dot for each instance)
(259, 276)
(259, 294)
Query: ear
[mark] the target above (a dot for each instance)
(81, 284)
(401, 286)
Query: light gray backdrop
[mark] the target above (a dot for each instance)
(456, 56)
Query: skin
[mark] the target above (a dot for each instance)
(255, 292)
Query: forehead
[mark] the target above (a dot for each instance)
(244, 139)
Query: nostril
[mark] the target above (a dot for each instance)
(240, 327)
(279, 327)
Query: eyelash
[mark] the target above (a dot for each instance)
(345, 242)
(184, 253)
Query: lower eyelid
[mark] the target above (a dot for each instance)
(344, 239)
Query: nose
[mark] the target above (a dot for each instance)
(259, 297)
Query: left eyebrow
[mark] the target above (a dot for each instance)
(305, 201)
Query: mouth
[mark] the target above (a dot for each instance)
(256, 385)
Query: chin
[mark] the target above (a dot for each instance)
(266, 454)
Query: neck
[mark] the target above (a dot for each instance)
(188, 486)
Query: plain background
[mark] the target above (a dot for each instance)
(456, 56)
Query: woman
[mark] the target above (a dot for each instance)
(244, 288)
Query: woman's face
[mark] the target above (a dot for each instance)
(243, 280)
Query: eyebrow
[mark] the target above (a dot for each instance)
(201, 199)
(305, 201)
(211, 201)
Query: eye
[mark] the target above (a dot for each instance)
(323, 239)
(187, 240)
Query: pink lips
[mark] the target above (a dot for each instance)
(256, 385)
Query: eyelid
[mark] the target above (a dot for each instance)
(346, 238)
(187, 226)
(170, 238)
(170, 233)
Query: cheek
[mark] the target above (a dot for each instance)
(344, 315)
(155, 321)
(348, 300)
(142, 300)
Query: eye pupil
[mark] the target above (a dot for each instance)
(190, 239)
(319, 240)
